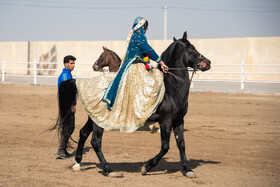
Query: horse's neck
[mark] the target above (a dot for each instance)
(113, 62)
(175, 57)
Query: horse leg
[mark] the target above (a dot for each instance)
(178, 128)
(84, 133)
(96, 142)
(165, 131)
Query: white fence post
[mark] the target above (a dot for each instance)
(35, 72)
(192, 85)
(242, 75)
(191, 77)
(3, 70)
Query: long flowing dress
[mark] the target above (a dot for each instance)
(124, 101)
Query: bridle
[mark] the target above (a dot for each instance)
(186, 69)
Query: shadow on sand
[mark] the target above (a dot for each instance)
(135, 167)
(85, 150)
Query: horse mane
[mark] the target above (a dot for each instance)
(165, 56)
(170, 54)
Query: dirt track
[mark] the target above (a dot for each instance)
(231, 140)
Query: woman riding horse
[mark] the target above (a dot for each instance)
(133, 94)
(137, 49)
(165, 95)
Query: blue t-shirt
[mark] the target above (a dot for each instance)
(64, 76)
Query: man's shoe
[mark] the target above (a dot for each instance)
(62, 155)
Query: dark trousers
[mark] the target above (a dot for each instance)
(66, 132)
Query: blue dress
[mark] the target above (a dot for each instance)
(137, 49)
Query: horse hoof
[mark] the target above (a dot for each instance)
(158, 131)
(144, 170)
(76, 167)
(190, 174)
(115, 175)
(152, 128)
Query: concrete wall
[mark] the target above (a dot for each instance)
(264, 50)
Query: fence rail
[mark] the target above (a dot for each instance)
(242, 72)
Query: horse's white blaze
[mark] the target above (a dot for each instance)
(76, 167)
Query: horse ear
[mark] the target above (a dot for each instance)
(104, 48)
(174, 39)
(185, 36)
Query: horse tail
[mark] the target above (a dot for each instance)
(66, 98)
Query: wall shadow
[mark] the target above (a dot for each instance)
(50, 56)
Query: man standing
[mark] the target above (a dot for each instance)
(66, 132)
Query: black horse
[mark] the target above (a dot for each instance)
(170, 113)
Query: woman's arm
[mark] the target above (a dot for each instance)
(147, 49)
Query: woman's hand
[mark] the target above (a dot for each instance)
(163, 66)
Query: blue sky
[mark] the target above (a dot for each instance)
(95, 20)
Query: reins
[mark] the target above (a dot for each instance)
(181, 69)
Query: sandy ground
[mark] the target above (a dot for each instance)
(231, 140)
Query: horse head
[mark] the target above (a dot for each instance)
(101, 61)
(107, 58)
(194, 58)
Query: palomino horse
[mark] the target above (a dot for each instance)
(169, 114)
(107, 58)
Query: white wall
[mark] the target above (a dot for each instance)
(263, 50)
